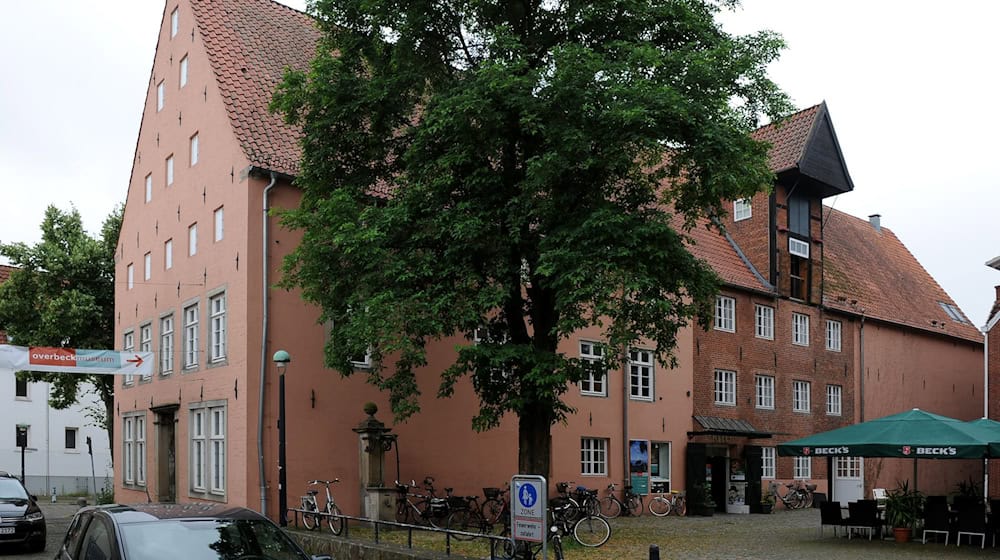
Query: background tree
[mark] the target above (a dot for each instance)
(501, 166)
(62, 294)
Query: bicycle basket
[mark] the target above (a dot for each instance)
(811, 487)
(491, 493)
(439, 506)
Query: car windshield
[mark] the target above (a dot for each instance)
(210, 539)
(11, 489)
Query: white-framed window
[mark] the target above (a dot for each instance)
(798, 247)
(725, 314)
(134, 449)
(147, 264)
(161, 92)
(170, 170)
(362, 361)
(595, 384)
(833, 399)
(763, 321)
(167, 344)
(72, 436)
(800, 329)
(168, 254)
(128, 345)
(767, 462)
(192, 240)
(217, 332)
(208, 448)
(764, 386)
(640, 368)
(219, 223)
(660, 454)
(833, 330)
(194, 149)
(191, 336)
(803, 468)
(146, 342)
(199, 451)
(174, 22)
(725, 387)
(593, 456)
(149, 187)
(130, 275)
(741, 209)
(800, 396)
(184, 71)
(217, 459)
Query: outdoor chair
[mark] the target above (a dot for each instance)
(831, 515)
(937, 519)
(972, 522)
(880, 496)
(863, 516)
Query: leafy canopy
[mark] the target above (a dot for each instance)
(61, 294)
(525, 168)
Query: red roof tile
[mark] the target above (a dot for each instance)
(717, 250)
(787, 138)
(249, 44)
(875, 270)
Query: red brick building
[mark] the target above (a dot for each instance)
(199, 254)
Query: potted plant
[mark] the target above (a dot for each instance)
(902, 510)
(700, 500)
(767, 502)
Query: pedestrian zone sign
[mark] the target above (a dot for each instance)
(528, 507)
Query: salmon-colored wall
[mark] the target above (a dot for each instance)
(905, 369)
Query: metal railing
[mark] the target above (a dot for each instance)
(496, 542)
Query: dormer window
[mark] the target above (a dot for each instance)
(798, 214)
(742, 209)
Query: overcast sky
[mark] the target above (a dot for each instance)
(911, 87)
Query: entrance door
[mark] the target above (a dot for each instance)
(166, 450)
(848, 479)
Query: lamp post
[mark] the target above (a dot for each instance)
(281, 359)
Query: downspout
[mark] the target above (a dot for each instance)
(861, 345)
(263, 351)
(626, 479)
(986, 405)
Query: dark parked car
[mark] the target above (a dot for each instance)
(21, 520)
(176, 531)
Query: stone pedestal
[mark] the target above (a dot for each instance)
(374, 440)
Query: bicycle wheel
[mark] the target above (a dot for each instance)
(492, 510)
(807, 499)
(309, 517)
(467, 521)
(680, 506)
(659, 506)
(404, 513)
(634, 505)
(611, 507)
(333, 519)
(592, 531)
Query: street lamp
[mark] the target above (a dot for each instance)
(281, 359)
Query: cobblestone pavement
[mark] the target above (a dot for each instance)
(57, 518)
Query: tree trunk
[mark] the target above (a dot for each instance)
(535, 440)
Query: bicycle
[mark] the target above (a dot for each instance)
(661, 505)
(312, 515)
(466, 517)
(496, 509)
(797, 496)
(429, 509)
(588, 530)
(632, 502)
(611, 506)
(589, 503)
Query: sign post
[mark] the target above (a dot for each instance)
(529, 505)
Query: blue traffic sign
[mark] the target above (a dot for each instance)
(528, 495)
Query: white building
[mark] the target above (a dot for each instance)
(56, 456)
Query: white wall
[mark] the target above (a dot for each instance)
(47, 461)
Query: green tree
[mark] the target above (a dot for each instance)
(62, 294)
(524, 168)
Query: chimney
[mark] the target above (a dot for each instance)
(876, 221)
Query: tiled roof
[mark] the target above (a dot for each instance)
(5, 272)
(716, 249)
(735, 426)
(788, 138)
(872, 271)
(249, 44)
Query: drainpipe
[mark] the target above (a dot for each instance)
(263, 351)
(986, 405)
(626, 479)
(861, 345)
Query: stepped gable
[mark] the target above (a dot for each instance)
(875, 270)
(249, 44)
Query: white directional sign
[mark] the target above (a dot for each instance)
(528, 507)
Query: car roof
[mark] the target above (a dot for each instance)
(141, 513)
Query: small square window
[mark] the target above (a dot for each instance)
(71, 434)
(742, 209)
(184, 71)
